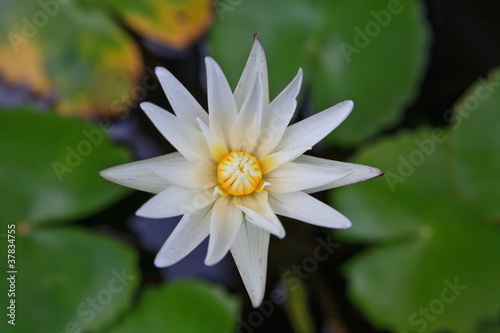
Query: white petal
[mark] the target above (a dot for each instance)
(188, 140)
(196, 175)
(277, 116)
(249, 251)
(292, 177)
(255, 67)
(192, 229)
(303, 207)
(270, 162)
(258, 212)
(246, 128)
(183, 103)
(225, 223)
(217, 148)
(359, 172)
(308, 132)
(136, 175)
(221, 105)
(174, 201)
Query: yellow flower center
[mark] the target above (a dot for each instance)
(239, 174)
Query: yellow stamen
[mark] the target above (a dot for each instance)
(261, 185)
(219, 190)
(239, 173)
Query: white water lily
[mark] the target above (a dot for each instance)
(236, 168)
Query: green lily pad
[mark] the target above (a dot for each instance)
(435, 265)
(476, 147)
(70, 49)
(187, 306)
(49, 168)
(371, 52)
(68, 280)
(489, 327)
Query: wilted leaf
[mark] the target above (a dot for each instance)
(177, 24)
(70, 50)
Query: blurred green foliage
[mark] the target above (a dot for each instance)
(434, 219)
(184, 306)
(51, 169)
(69, 277)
